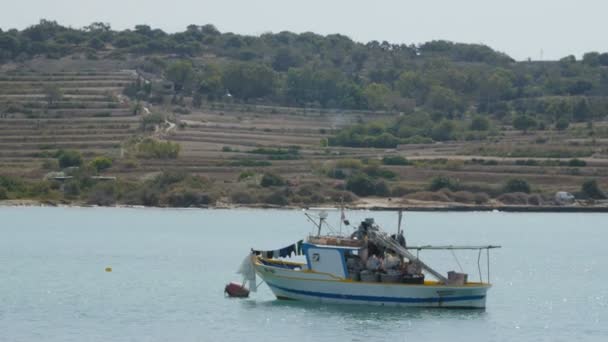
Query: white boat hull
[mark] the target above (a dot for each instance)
(325, 288)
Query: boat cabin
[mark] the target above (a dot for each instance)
(329, 259)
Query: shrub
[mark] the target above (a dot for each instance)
(150, 121)
(463, 197)
(69, 158)
(242, 197)
(516, 185)
(443, 182)
(562, 124)
(481, 198)
(250, 163)
(152, 148)
(3, 193)
(270, 179)
(514, 198)
(480, 123)
(185, 199)
(103, 194)
(592, 190)
(577, 163)
(361, 185)
(277, 198)
(394, 160)
(535, 199)
(12, 184)
(399, 191)
(246, 174)
(101, 163)
(381, 189)
(71, 188)
(149, 197)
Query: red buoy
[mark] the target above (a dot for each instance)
(236, 290)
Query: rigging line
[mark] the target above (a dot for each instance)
(479, 265)
(458, 262)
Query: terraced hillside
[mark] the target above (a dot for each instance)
(87, 114)
(71, 108)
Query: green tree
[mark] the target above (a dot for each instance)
(69, 158)
(443, 182)
(376, 96)
(445, 101)
(444, 130)
(249, 80)
(181, 74)
(581, 111)
(52, 93)
(592, 190)
(101, 163)
(591, 59)
(412, 85)
(285, 59)
(524, 122)
(516, 185)
(271, 179)
(361, 185)
(562, 124)
(480, 123)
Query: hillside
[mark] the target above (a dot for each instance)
(202, 117)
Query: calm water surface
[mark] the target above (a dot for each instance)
(170, 267)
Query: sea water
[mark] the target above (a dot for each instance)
(169, 268)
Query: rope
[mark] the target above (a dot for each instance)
(458, 262)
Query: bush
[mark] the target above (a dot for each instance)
(71, 188)
(103, 194)
(150, 121)
(69, 158)
(399, 191)
(277, 198)
(577, 163)
(442, 182)
(250, 163)
(186, 199)
(394, 160)
(152, 148)
(480, 123)
(481, 198)
(592, 190)
(101, 163)
(516, 185)
(3, 193)
(270, 179)
(242, 197)
(514, 198)
(361, 185)
(562, 124)
(381, 189)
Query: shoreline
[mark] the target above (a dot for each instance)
(421, 207)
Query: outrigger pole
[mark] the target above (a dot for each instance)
(383, 239)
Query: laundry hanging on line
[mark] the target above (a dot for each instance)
(295, 249)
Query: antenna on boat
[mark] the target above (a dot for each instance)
(399, 222)
(399, 230)
(322, 217)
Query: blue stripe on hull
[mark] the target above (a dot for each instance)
(378, 298)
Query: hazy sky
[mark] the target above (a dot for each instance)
(521, 28)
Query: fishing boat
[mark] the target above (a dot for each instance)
(367, 267)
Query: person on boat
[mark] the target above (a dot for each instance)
(361, 231)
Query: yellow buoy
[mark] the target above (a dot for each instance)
(108, 269)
